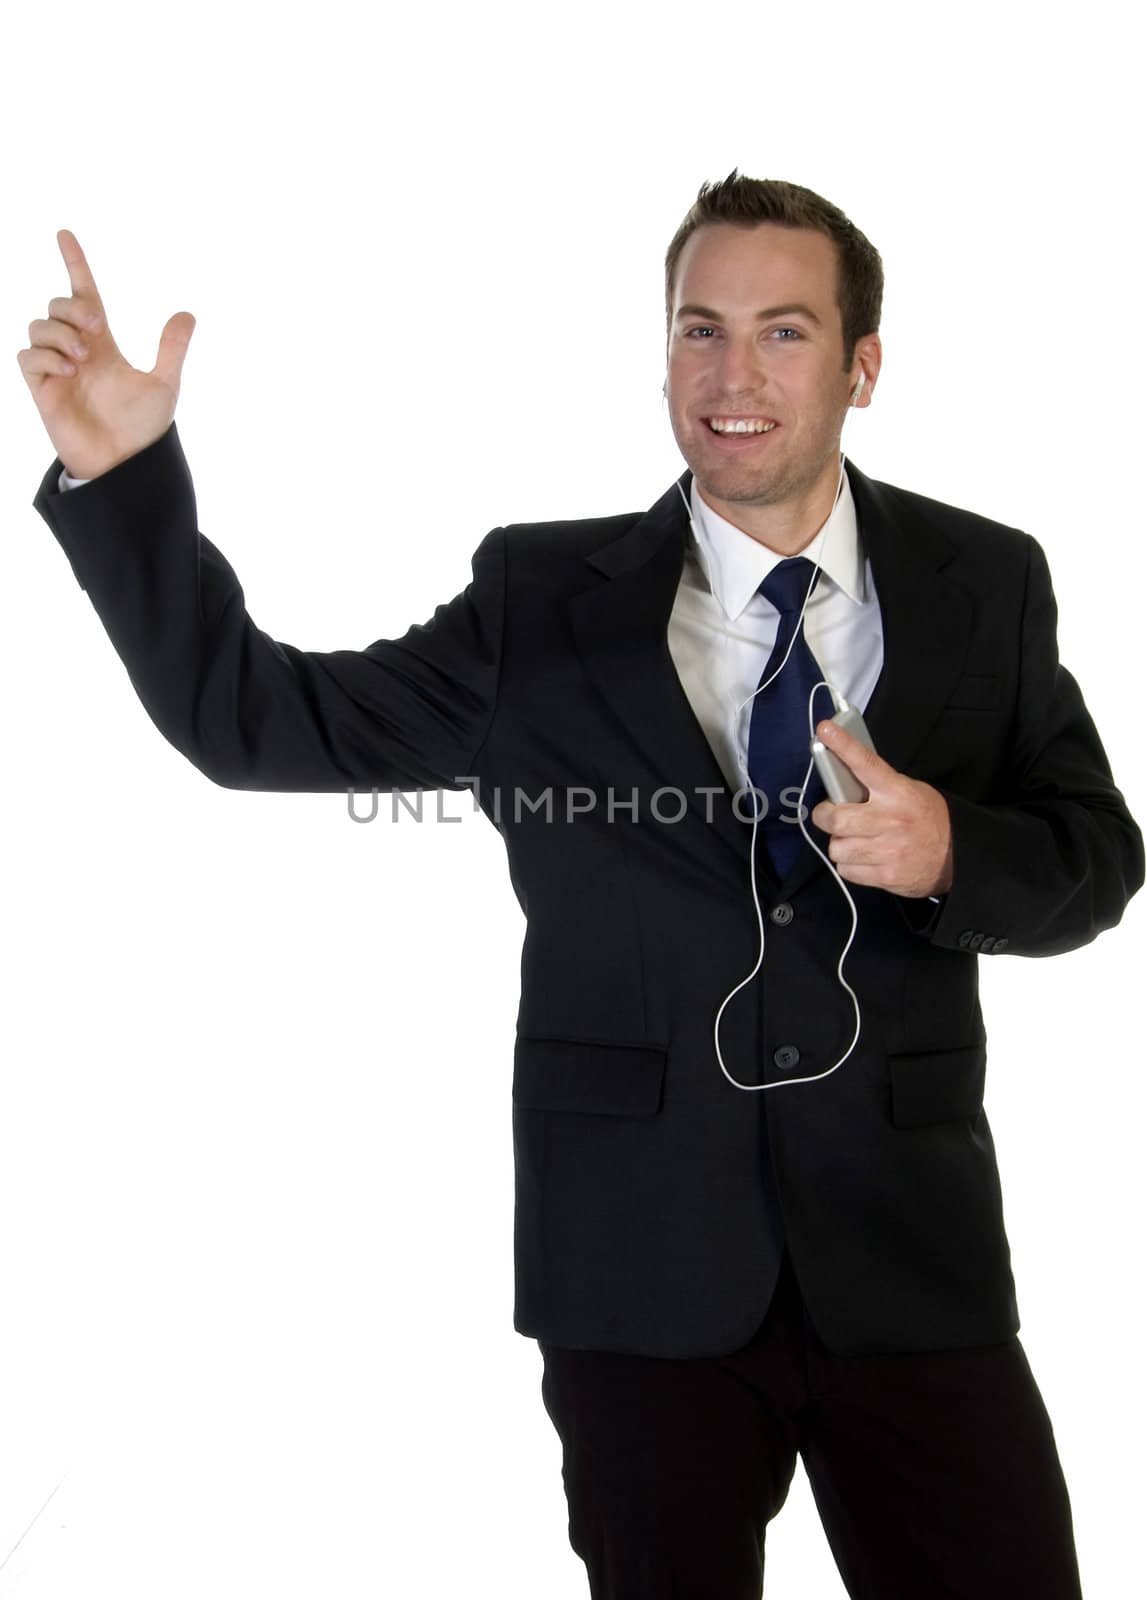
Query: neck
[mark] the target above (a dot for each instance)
(788, 526)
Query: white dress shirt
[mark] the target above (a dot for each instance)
(722, 632)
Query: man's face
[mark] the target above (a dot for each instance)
(727, 360)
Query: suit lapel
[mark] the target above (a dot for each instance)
(925, 617)
(620, 627)
(926, 621)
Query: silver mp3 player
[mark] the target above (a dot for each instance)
(840, 784)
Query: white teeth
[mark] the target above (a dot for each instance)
(739, 426)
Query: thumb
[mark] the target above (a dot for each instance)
(173, 343)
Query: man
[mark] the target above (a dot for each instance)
(754, 1217)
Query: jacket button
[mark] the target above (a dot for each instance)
(782, 915)
(975, 941)
(1000, 944)
(786, 1057)
(988, 945)
(965, 939)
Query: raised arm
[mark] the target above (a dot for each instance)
(248, 710)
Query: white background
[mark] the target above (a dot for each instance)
(255, 1159)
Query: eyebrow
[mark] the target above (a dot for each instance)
(762, 316)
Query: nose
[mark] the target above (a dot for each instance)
(739, 366)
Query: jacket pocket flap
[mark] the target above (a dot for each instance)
(577, 1075)
(976, 691)
(938, 1085)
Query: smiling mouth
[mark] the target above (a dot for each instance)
(740, 428)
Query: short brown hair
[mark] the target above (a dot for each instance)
(748, 201)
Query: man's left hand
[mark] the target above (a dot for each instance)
(900, 838)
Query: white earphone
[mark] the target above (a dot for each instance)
(841, 979)
(840, 883)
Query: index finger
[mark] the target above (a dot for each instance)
(79, 273)
(857, 755)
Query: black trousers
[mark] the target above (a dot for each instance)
(936, 1475)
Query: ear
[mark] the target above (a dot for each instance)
(866, 360)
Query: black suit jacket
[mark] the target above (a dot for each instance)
(652, 1197)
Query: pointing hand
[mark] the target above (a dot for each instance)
(97, 408)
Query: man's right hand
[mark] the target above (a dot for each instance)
(98, 409)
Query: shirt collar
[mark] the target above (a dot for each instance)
(736, 564)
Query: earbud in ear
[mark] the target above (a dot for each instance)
(856, 391)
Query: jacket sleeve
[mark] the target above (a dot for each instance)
(247, 710)
(1051, 868)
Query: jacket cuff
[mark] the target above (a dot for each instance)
(974, 915)
(125, 502)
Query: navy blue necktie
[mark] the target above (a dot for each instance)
(779, 726)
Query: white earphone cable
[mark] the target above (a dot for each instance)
(840, 703)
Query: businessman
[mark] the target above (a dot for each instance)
(757, 1208)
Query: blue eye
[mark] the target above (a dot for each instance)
(707, 327)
